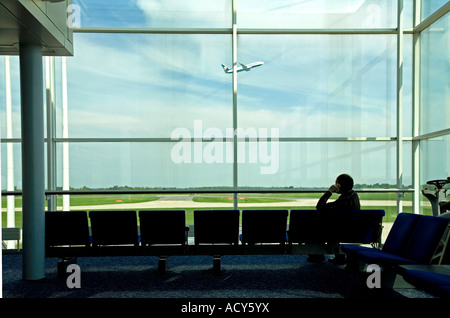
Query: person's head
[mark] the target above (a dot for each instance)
(345, 183)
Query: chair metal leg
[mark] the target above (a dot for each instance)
(216, 264)
(162, 265)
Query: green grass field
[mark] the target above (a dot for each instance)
(99, 200)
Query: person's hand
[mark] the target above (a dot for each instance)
(334, 188)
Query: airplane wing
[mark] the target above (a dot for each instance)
(244, 67)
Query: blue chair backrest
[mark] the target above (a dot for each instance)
(400, 233)
(425, 238)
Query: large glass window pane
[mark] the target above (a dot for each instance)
(435, 164)
(328, 14)
(407, 90)
(123, 85)
(435, 158)
(319, 85)
(435, 70)
(407, 165)
(11, 170)
(430, 6)
(408, 13)
(14, 125)
(317, 164)
(152, 13)
(152, 165)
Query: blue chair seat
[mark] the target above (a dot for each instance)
(383, 258)
(434, 283)
(444, 291)
(353, 249)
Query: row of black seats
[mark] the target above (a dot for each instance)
(168, 227)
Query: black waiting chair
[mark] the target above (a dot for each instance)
(216, 232)
(264, 226)
(216, 227)
(114, 228)
(66, 228)
(306, 226)
(163, 232)
(355, 226)
(163, 227)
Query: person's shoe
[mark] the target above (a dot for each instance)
(338, 259)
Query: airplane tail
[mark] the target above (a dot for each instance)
(226, 69)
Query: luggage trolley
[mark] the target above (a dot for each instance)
(438, 196)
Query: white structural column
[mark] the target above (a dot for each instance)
(51, 130)
(65, 132)
(399, 105)
(10, 206)
(235, 121)
(33, 163)
(415, 114)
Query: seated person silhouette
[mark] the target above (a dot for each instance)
(348, 200)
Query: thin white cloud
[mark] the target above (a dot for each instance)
(175, 13)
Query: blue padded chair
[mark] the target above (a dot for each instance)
(264, 226)
(395, 242)
(66, 228)
(419, 248)
(163, 227)
(434, 283)
(114, 228)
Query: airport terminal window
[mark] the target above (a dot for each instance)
(329, 76)
(154, 14)
(435, 99)
(324, 14)
(15, 98)
(435, 158)
(314, 164)
(147, 85)
(141, 165)
(428, 7)
(319, 85)
(16, 166)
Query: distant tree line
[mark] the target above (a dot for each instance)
(356, 186)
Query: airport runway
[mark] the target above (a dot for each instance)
(186, 201)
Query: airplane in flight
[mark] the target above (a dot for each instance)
(242, 67)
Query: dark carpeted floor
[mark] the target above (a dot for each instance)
(283, 283)
(279, 276)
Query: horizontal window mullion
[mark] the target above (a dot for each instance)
(155, 30)
(253, 31)
(246, 138)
